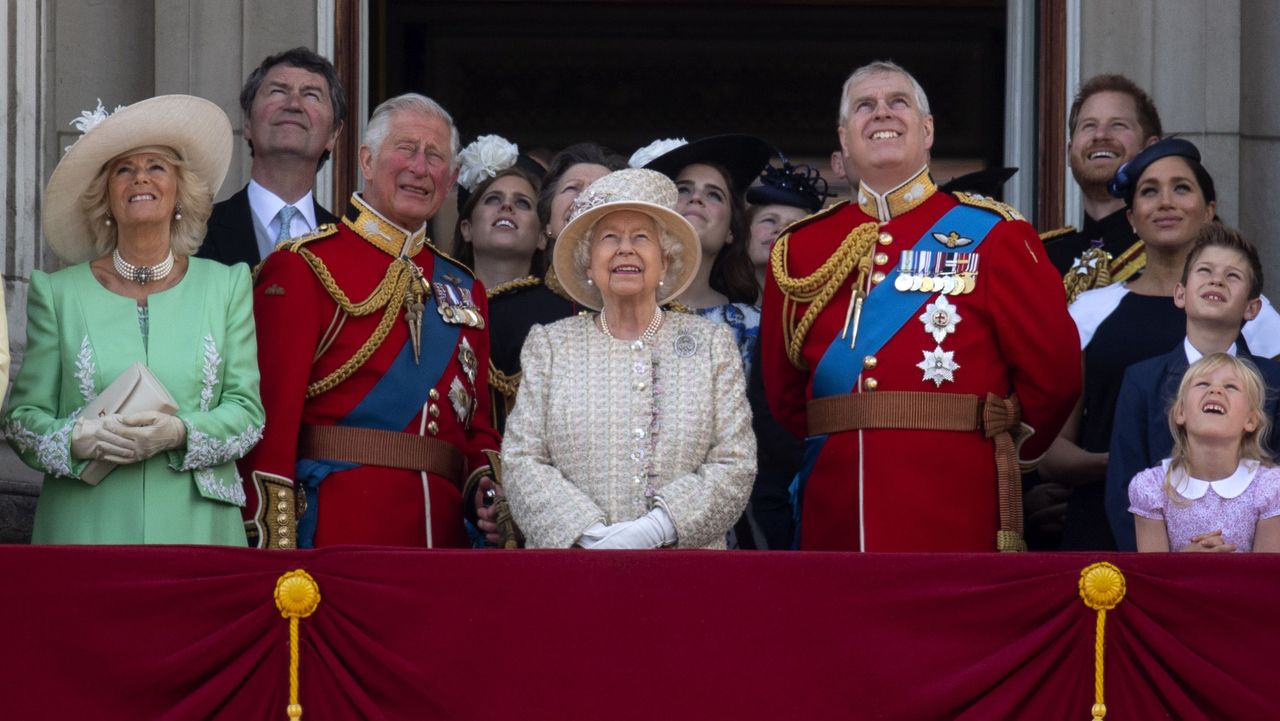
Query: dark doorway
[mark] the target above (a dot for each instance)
(546, 74)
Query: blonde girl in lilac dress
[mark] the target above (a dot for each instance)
(1219, 492)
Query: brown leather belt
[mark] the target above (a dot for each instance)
(374, 447)
(996, 417)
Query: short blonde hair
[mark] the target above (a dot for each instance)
(195, 202)
(1253, 444)
(669, 243)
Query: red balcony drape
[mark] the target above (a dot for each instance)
(193, 633)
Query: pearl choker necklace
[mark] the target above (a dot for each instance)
(649, 332)
(142, 274)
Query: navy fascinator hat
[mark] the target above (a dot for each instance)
(1125, 182)
(798, 186)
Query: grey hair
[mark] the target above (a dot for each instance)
(880, 67)
(666, 240)
(380, 122)
(194, 201)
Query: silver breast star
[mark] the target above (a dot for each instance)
(938, 366)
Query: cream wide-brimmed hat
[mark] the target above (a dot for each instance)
(646, 191)
(196, 129)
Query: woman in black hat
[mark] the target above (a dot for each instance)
(711, 175)
(1169, 196)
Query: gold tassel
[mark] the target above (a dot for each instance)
(297, 596)
(1102, 587)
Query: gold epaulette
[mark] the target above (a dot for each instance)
(1050, 235)
(676, 306)
(529, 281)
(323, 231)
(1091, 270)
(1008, 212)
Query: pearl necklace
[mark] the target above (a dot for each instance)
(142, 274)
(649, 332)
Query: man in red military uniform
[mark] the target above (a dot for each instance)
(374, 358)
(918, 340)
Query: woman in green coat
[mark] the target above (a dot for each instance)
(126, 208)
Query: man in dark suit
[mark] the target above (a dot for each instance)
(294, 106)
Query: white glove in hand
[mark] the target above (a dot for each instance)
(652, 530)
(91, 439)
(151, 432)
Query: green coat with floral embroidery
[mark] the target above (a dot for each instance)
(200, 345)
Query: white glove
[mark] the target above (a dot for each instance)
(91, 439)
(151, 432)
(652, 530)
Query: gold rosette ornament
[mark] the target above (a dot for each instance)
(297, 596)
(1102, 587)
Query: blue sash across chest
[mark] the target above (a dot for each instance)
(887, 309)
(394, 400)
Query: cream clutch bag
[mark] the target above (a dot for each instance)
(135, 390)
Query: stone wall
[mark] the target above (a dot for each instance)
(1208, 65)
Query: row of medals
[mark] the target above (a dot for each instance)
(957, 284)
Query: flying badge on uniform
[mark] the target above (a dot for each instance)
(940, 318)
(464, 403)
(467, 358)
(274, 289)
(938, 365)
(455, 304)
(952, 239)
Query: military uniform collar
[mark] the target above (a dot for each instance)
(907, 196)
(380, 232)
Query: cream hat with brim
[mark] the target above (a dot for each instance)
(195, 128)
(645, 191)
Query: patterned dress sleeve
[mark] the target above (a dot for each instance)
(1146, 494)
(35, 430)
(704, 504)
(229, 419)
(1269, 496)
(550, 509)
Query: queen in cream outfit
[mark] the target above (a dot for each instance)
(631, 428)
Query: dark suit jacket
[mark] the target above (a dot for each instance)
(230, 238)
(1140, 437)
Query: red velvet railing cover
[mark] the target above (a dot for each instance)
(193, 633)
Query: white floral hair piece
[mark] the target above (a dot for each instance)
(89, 119)
(657, 148)
(484, 159)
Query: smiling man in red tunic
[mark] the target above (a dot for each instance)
(918, 340)
(375, 357)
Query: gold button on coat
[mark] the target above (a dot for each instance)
(870, 384)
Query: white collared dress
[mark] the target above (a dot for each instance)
(1235, 504)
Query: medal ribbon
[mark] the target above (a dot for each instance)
(888, 309)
